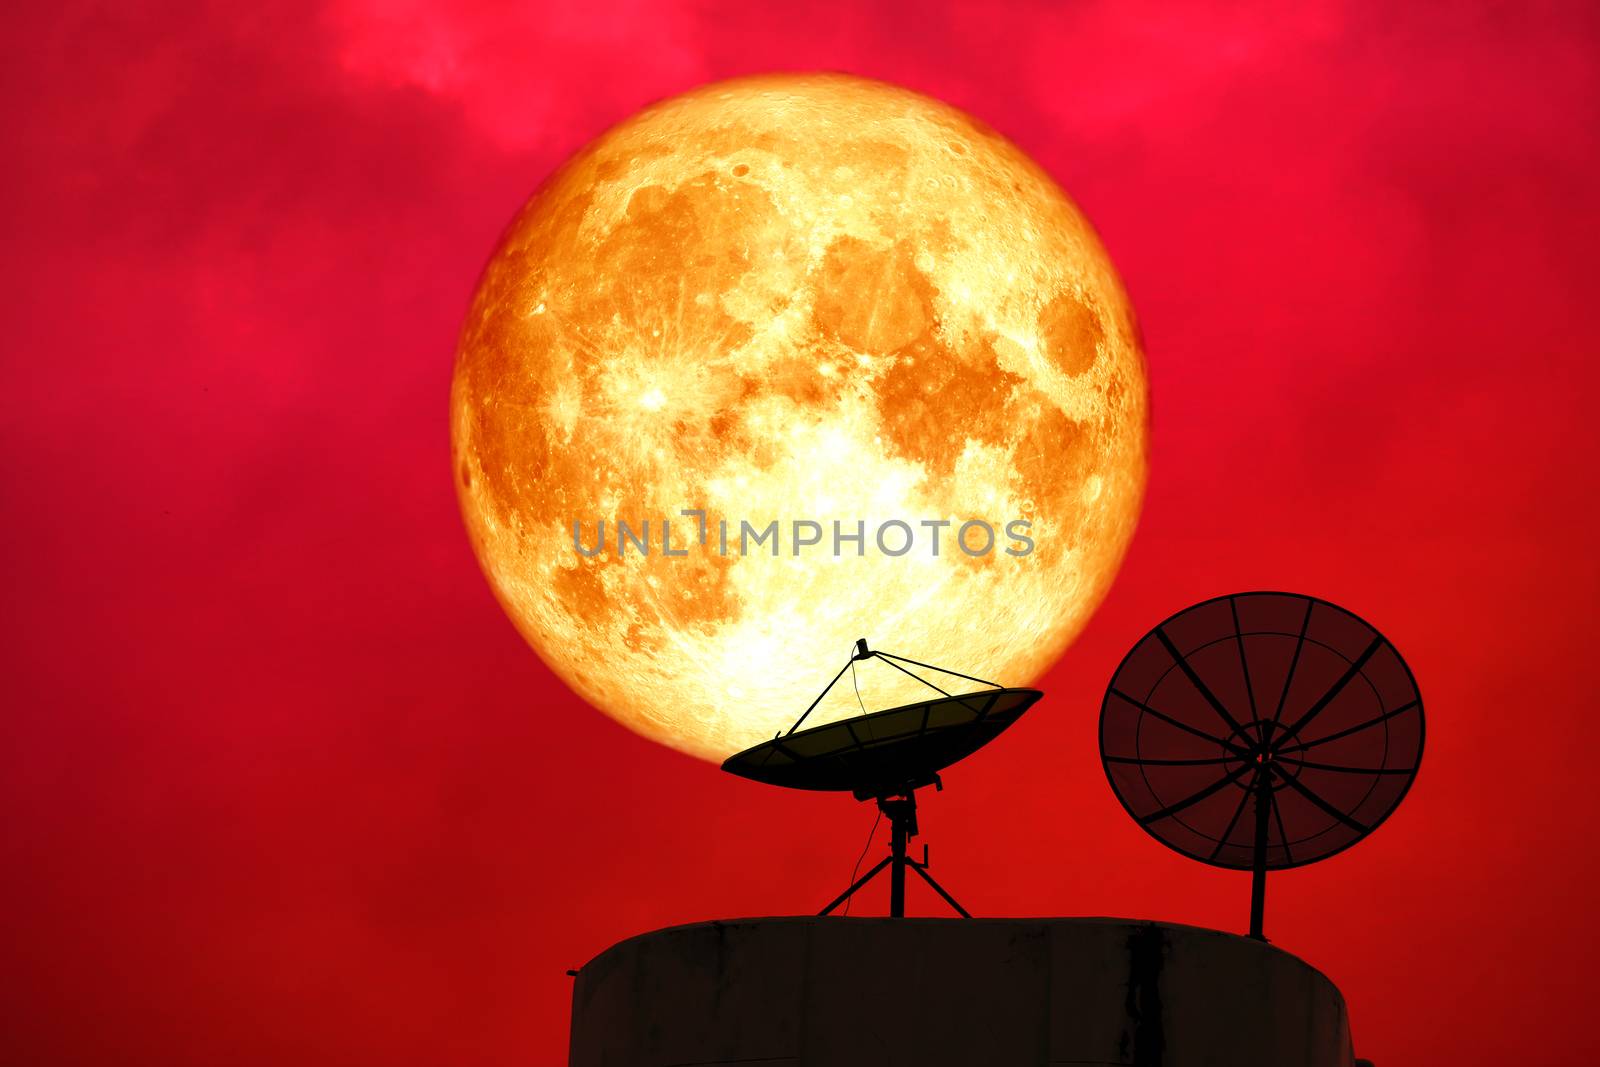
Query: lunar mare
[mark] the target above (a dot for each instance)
(796, 297)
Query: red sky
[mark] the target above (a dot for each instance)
(281, 784)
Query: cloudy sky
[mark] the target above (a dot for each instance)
(280, 782)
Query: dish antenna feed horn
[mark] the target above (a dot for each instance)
(1261, 731)
(886, 756)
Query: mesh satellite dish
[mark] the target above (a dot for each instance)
(1261, 731)
(887, 756)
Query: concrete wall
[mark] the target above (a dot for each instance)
(837, 992)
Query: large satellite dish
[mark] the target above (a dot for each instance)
(887, 756)
(1261, 731)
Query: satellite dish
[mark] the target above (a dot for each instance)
(887, 756)
(1261, 731)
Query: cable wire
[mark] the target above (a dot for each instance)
(857, 686)
(864, 849)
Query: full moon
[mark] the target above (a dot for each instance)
(783, 362)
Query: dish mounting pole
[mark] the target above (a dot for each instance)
(1258, 867)
(901, 810)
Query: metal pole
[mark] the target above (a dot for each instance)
(1258, 873)
(859, 882)
(897, 873)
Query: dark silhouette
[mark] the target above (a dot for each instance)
(1284, 705)
(887, 756)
